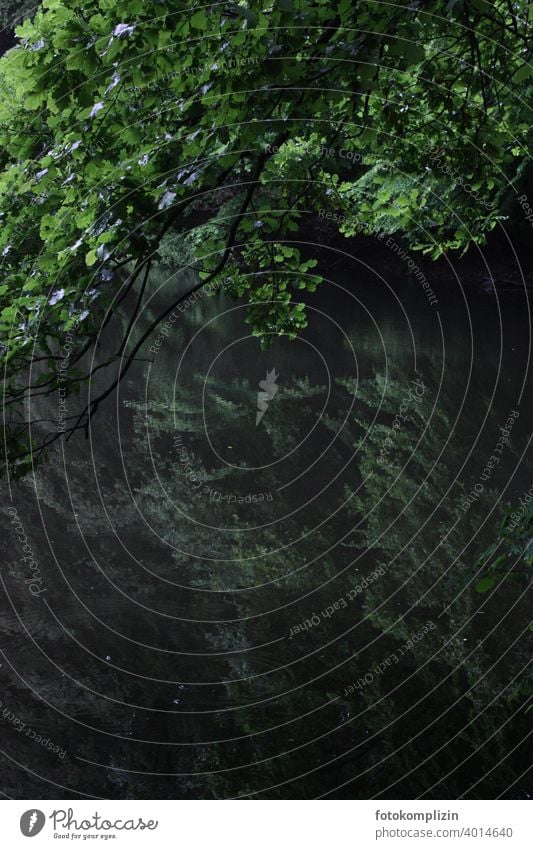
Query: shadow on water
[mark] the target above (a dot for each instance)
(286, 608)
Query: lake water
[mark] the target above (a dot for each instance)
(225, 607)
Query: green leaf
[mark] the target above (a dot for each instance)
(486, 583)
(199, 20)
(523, 73)
(91, 258)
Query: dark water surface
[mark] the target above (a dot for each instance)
(286, 609)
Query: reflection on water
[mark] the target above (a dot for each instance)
(285, 608)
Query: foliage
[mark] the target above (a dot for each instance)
(122, 121)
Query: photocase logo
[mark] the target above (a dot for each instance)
(32, 822)
(267, 393)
